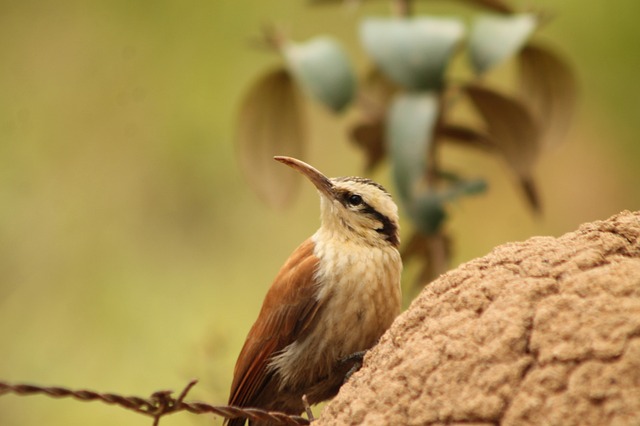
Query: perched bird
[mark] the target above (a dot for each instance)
(336, 295)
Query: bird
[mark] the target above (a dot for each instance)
(335, 296)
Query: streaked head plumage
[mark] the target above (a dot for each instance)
(357, 207)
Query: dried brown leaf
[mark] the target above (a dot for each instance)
(531, 193)
(271, 122)
(416, 246)
(466, 136)
(368, 135)
(493, 5)
(434, 253)
(515, 132)
(376, 93)
(549, 88)
(510, 125)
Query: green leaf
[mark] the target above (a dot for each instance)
(427, 212)
(410, 124)
(464, 187)
(271, 122)
(323, 69)
(426, 209)
(412, 52)
(495, 38)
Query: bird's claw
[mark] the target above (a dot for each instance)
(355, 358)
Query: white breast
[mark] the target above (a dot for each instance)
(360, 296)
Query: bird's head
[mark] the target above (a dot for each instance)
(354, 207)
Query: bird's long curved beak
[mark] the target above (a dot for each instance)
(320, 181)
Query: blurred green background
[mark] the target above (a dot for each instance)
(134, 256)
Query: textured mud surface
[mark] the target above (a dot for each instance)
(545, 331)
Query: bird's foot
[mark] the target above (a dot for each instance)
(307, 408)
(356, 360)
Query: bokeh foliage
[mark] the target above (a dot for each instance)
(405, 100)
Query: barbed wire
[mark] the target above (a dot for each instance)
(161, 403)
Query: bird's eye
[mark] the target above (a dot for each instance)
(355, 199)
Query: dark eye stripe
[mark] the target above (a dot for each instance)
(389, 229)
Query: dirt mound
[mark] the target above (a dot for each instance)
(545, 331)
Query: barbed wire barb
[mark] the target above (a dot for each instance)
(160, 404)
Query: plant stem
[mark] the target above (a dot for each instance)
(402, 8)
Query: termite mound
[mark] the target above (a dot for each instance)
(545, 331)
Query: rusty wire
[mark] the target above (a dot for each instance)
(161, 403)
